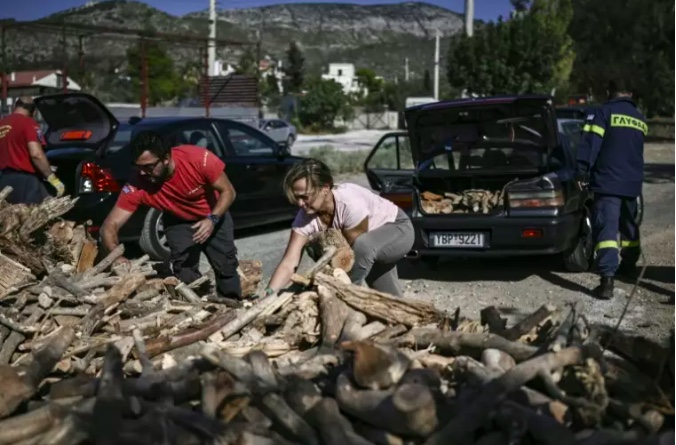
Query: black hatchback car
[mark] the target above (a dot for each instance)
(89, 149)
(510, 142)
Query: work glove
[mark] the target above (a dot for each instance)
(57, 184)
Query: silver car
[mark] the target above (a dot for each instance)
(280, 131)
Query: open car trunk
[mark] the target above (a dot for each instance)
(467, 153)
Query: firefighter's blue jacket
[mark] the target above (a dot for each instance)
(610, 153)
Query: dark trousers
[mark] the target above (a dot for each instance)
(615, 232)
(219, 249)
(27, 188)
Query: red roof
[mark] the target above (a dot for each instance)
(27, 78)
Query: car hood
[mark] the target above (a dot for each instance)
(527, 122)
(75, 120)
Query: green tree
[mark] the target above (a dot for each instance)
(247, 63)
(530, 53)
(163, 81)
(295, 70)
(635, 41)
(323, 103)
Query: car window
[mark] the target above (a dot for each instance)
(385, 157)
(196, 134)
(122, 138)
(247, 142)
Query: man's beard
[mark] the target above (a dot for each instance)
(161, 176)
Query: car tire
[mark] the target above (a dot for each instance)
(289, 141)
(153, 241)
(579, 258)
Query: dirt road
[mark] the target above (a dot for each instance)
(517, 286)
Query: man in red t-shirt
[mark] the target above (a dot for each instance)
(22, 157)
(189, 185)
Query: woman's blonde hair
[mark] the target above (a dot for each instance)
(315, 172)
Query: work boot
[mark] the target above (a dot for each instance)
(628, 270)
(604, 291)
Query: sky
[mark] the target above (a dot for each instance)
(486, 10)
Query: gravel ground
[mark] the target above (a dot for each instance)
(519, 286)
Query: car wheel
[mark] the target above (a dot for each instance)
(580, 257)
(639, 210)
(289, 141)
(153, 241)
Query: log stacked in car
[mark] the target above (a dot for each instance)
(122, 356)
(467, 201)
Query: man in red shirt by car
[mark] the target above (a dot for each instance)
(189, 185)
(22, 157)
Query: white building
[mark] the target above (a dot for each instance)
(344, 74)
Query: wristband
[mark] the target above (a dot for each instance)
(214, 218)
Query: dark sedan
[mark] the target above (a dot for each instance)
(89, 149)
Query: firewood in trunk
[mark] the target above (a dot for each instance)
(333, 313)
(343, 257)
(376, 366)
(379, 304)
(472, 416)
(462, 343)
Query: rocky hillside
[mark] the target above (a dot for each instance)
(379, 36)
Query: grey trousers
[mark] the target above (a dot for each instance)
(377, 253)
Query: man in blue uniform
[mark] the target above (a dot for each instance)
(610, 159)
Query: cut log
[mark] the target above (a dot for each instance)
(381, 305)
(344, 257)
(333, 314)
(250, 275)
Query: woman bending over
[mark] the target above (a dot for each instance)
(379, 232)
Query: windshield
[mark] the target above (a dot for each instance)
(482, 140)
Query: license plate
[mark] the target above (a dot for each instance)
(458, 239)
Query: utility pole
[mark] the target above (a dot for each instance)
(436, 67)
(406, 70)
(469, 17)
(212, 35)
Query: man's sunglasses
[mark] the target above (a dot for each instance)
(147, 168)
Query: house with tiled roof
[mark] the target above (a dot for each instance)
(35, 83)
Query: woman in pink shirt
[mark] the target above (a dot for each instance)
(379, 232)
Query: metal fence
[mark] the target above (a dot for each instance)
(69, 48)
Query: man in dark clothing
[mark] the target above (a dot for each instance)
(189, 185)
(610, 160)
(22, 157)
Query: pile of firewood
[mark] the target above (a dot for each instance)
(467, 201)
(117, 356)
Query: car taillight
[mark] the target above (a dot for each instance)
(543, 198)
(94, 178)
